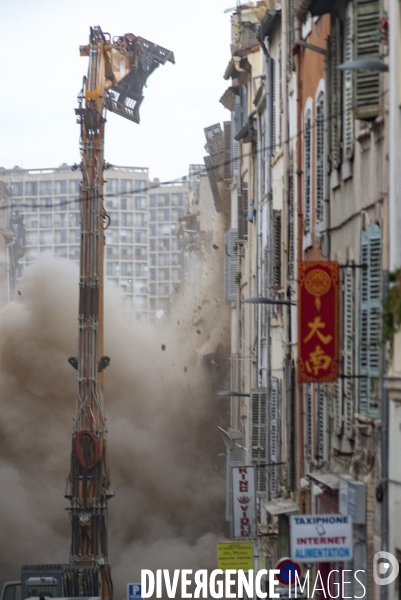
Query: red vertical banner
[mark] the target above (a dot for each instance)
(317, 321)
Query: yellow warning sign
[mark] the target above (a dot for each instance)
(236, 555)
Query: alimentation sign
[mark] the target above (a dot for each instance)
(320, 538)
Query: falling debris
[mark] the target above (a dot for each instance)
(198, 331)
(163, 347)
(215, 247)
(19, 293)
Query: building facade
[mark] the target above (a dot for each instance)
(309, 181)
(143, 258)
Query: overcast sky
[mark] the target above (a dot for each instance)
(41, 73)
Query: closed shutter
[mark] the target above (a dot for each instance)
(242, 209)
(227, 150)
(243, 329)
(370, 322)
(291, 444)
(235, 458)
(259, 435)
(307, 170)
(348, 96)
(320, 156)
(231, 265)
(367, 46)
(280, 92)
(274, 104)
(235, 127)
(274, 436)
(335, 94)
(337, 409)
(322, 435)
(308, 411)
(277, 248)
(291, 222)
(349, 351)
(212, 175)
(236, 387)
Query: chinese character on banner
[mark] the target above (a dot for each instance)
(317, 321)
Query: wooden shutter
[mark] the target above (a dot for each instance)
(227, 150)
(335, 93)
(370, 322)
(291, 222)
(235, 458)
(259, 435)
(277, 248)
(235, 127)
(367, 46)
(349, 351)
(242, 211)
(274, 104)
(322, 446)
(212, 175)
(280, 94)
(320, 156)
(308, 411)
(307, 170)
(274, 436)
(230, 265)
(336, 407)
(348, 95)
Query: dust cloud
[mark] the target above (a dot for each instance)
(162, 420)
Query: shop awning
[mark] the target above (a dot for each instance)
(328, 479)
(281, 507)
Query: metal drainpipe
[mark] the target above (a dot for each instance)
(384, 453)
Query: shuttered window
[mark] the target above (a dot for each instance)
(337, 411)
(243, 208)
(235, 458)
(235, 127)
(335, 93)
(280, 95)
(307, 170)
(274, 105)
(348, 95)
(227, 150)
(367, 46)
(231, 265)
(274, 437)
(259, 436)
(320, 156)
(370, 321)
(322, 441)
(291, 222)
(277, 248)
(349, 350)
(236, 387)
(308, 411)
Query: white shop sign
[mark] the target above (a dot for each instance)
(352, 499)
(244, 502)
(321, 538)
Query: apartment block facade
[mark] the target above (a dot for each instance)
(143, 257)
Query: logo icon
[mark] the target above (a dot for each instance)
(385, 568)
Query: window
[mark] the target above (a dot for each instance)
(370, 343)
(367, 46)
(125, 186)
(75, 186)
(152, 289)
(320, 157)
(277, 248)
(138, 270)
(259, 435)
(31, 188)
(152, 232)
(335, 94)
(60, 187)
(307, 169)
(177, 199)
(140, 203)
(153, 200)
(348, 95)
(46, 238)
(152, 260)
(123, 204)
(112, 186)
(45, 187)
(152, 215)
(123, 236)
